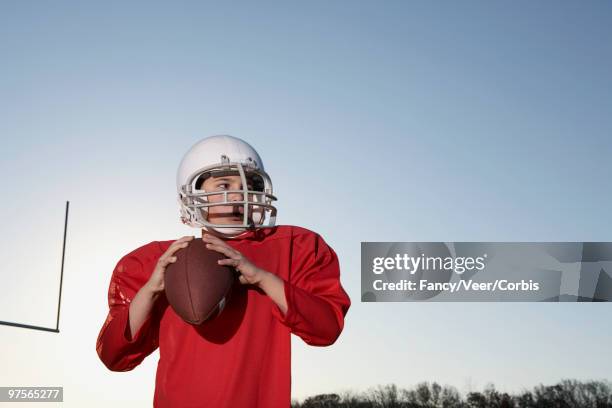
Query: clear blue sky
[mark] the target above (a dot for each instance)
(378, 121)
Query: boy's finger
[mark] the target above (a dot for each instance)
(213, 239)
(175, 247)
(181, 241)
(228, 261)
(227, 251)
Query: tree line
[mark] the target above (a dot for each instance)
(566, 394)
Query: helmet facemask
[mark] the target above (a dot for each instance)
(255, 203)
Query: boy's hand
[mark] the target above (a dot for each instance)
(155, 285)
(249, 273)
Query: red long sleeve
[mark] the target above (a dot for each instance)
(241, 358)
(116, 348)
(316, 301)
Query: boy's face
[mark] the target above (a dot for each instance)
(225, 214)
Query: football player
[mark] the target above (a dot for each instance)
(289, 282)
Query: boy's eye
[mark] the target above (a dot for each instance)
(225, 186)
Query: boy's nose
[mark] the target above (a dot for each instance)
(234, 197)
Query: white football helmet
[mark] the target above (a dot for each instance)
(217, 156)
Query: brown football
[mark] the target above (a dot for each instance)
(196, 286)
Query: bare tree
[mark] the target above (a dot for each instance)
(566, 394)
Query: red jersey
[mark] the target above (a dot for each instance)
(242, 358)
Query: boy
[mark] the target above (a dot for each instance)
(289, 282)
